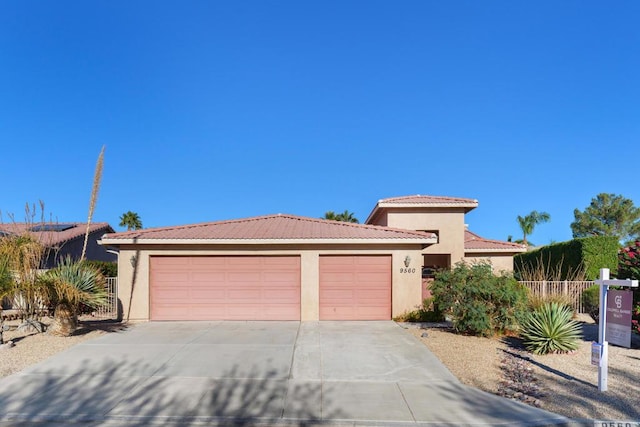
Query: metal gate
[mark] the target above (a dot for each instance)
(110, 309)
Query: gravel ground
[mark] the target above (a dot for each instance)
(32, 347)
(566, 384)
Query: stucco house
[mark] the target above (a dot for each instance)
(64, 239)
(286, 267)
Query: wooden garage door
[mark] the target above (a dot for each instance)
(225, 288)
(355, 287)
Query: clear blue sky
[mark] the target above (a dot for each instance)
(214, 110)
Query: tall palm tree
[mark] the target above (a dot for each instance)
(528, 223)
(71, 285)
(345, 216)
(131, 220)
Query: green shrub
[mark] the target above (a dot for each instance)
(479, 302)
(108, 269)
(591, 302)
(427, 312)
(550, 329)
(566, 259)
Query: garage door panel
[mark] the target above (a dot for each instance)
(292, 262)
(205, 294)
(207, 277)
(204, 261)
(355, 287)
(172, 262)
(373, 277)
(280, 277)
(219, 288)
(244, 277)
(334, 277)
(175, 277)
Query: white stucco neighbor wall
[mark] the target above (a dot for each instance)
(406, 287)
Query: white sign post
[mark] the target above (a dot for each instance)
(604, 283)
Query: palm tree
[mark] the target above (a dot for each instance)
(345, 216)
(529, 222)
(73, 284)
(131, 220)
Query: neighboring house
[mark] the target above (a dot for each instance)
(286, 267)
(62, 239)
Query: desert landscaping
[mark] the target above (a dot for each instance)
(566, 384)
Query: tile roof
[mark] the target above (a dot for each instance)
(475, 243)
(420, 201)
(280, 227)
(428, 200)
(54, 238)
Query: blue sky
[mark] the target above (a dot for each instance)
(214, 110)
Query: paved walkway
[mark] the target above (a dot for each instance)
(253, 373)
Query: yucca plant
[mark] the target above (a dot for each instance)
(71, 284)
(551, 329)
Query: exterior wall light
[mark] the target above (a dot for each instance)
(407, 261)
(134, 260)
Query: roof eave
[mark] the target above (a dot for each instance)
(467, 206)
(509, 250)
(134, 241)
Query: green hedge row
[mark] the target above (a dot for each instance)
(590, 253)
(108, 269)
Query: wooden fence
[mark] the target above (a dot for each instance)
(572, 290)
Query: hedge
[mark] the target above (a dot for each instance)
(593, 253)
(108, 269)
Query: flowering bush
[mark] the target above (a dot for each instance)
(629, 261)
(629, 268)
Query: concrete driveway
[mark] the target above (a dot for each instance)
(253, 373)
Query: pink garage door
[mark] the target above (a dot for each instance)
(355, 287)
(225, 288)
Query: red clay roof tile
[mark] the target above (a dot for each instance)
(428, 200)
(473, 242)
(270, 227)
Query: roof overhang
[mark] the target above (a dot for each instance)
(382, 205)
(133, 241)
(500, 251)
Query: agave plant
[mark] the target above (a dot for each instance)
(73, 284)
(551, 329)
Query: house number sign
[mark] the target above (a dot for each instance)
(406, 268)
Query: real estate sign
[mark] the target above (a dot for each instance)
(619, 305)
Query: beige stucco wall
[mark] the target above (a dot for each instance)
(499, 262)
(449, 224)
(406, 289)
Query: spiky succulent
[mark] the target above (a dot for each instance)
(551, 329)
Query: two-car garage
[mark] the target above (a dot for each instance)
(356, 287)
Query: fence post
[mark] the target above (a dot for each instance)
(544, 289)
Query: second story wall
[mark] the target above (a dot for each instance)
(447, 223)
